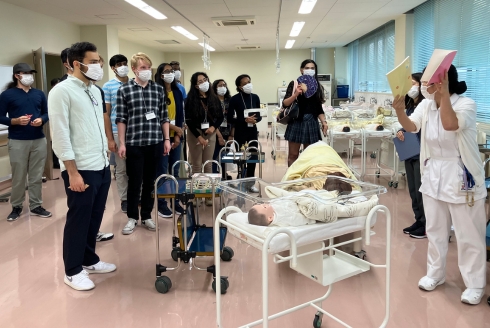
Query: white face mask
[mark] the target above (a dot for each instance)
(144, 76)
(310, 72)
(426, 94)
(222, 91)
(94, 72)
(178, 74)
(122, 71)
(27, 79)
(204, 87)
(247, 88)
(169, 78)
(413, 92)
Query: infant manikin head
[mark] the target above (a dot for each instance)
(261, 214)
(339, 185)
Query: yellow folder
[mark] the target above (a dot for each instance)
(400, 78)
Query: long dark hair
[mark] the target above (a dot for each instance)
(12, 84)
(159, 80)
(193, 100)
(215, 88)
(409, 102)
(319, 92)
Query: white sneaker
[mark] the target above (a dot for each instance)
(80, 281)
(149, 224)
(472, 296)
(129, 227)
(430, 284)
(253, 189)
(100, 267)
(104, 236)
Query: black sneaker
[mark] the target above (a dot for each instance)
(15, 214)
(40, 211)
(178, 209)
(413, 227)
(419, 233)
(124, 206)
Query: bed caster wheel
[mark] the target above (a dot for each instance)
(373, 155)
(395, 185)
(44, 179)
(390, 184)
(403, 174)
(224, 285)
(317, 322)
(361, 255)
(227, 254)
(163, 284)
(378, 173)
(175, 254)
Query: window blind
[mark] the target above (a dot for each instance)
(460, 25)
(373, 55)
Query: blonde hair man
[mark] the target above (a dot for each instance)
(143, 125)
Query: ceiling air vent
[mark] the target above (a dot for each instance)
(168, 41)
(234, 21)
(248, 47)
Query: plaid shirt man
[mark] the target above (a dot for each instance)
(133, 105)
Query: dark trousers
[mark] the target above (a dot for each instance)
(141, 168)
(247, 136)
(412, 167)
(85, 211)
(216, 158)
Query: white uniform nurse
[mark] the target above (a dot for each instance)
(453, 185)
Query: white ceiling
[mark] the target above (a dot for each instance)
(332, 22)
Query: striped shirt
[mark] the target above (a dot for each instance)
(110, 93)
(132, 106)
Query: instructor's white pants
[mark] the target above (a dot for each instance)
(469, 227)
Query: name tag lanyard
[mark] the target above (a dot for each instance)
(205, 123)
(95, 104)
(225, 123)
(251, 106)
(148, 113)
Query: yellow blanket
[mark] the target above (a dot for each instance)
(318, 159)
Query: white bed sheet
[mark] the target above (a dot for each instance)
(304, 235)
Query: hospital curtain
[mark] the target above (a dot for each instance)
(461, 25)
(373, 54)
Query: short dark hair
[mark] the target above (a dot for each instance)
(116, 59)
(238, 80)
(55, 81)
(64, 55)
(78, 50)
(337, 184)
(255, 218)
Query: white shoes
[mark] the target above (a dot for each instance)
(80, 281)
(129, 227)
(472, 296)
(253, 189)
(149, 224)
(100, 267)
(430, 284)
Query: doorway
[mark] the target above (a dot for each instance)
(54, 69)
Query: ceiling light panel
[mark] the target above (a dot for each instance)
(297, 26)
(184, 32)
(289, 44)
(307, 6)
(207, 47)
(143, 6)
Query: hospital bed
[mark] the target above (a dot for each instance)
(190, 239)
(308, 253)
(278, 131)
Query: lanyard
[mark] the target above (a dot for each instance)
(251, 106)
(205, 112)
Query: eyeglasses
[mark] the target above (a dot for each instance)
(92, 98)
(168, 71)
(202, 81)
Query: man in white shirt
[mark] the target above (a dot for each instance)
(77, 121)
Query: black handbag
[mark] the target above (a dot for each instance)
(291, 113)
(288, 115)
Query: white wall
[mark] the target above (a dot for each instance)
(22, 30)
(258, 64)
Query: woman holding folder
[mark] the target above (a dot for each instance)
(412, 165)
(453, 181)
